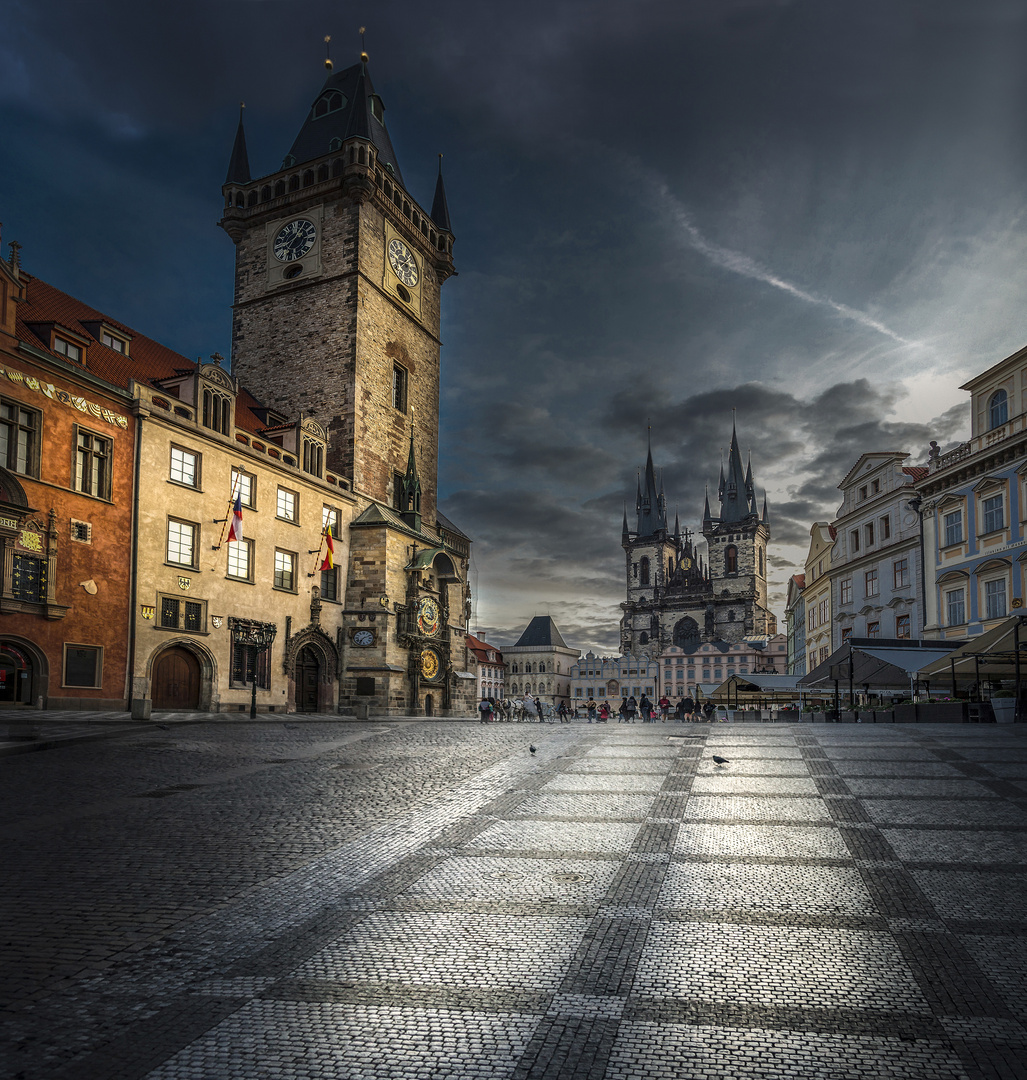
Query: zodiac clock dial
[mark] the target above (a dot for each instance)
(403, 263)
(428, 616)
(294, 240)
(429, 664)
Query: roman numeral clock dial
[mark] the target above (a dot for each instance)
(403, 263)
(294, 240)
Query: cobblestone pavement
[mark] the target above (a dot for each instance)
(419, 899)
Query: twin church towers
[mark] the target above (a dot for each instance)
(674, 597)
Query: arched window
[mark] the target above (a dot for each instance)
(216, 411)
(330, 102)
(643, 571)
(731, 559)
(542, 668)
(998, 409)
(763, 565)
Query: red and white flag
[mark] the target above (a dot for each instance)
(329, 559)
(235, 529)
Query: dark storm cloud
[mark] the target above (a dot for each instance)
(809, 213)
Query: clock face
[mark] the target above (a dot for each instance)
(363, 637)
(294, 240)
(402, 261)
(428, 617)
(429, 663)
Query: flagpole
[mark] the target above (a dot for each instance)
(317, 554)
(225, 520)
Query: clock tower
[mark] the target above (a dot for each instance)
(338, 282)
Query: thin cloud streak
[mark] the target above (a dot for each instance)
(741, 264)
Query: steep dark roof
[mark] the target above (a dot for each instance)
(541, 631)
(239, 165)
(439, 206)
(354, 120)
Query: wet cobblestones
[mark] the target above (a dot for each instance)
(424, 900)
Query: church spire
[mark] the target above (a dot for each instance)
(652, 513)
(734, 496)
(439, 206)
(410, 492)
(239, 164)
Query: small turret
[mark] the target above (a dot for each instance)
(439, 206)
(239, 163)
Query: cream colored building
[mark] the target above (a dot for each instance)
(817, 594)
(201, 443)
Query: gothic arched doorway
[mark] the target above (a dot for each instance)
(176, 680)
(429, 705)
(308, 680)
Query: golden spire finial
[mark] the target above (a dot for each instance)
(363, 54)
(328, 51)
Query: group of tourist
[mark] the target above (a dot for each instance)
(599, 712)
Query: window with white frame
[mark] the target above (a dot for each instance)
(955, 607)
(953, 526)
(93, 464)
(185, 467)
(992, 518)
(871, 586)
(285, 570)
(287, 504)
(995, 598)
(67, 349)
(244, 485)
(181, 547)
(902, 626)
(998, 409)
(846, 591)
(240, 559)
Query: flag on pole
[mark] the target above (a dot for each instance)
(235, 529)
(329, 559)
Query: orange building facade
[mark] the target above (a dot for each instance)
(67, 443)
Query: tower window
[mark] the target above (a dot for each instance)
(377, 108)
(643, 576)
(399, 388)
(217, 412)
(313, 458)
(328, 103)
(731, 559)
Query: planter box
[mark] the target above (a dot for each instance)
(1004, 709)
(943, 712)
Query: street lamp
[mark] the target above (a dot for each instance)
(254, 637)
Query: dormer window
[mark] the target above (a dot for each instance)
(313, 457)
(377, 109)
(118, 344)
(67, 349)
(331, 102)
(217, 411)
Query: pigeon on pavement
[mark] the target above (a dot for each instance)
(532, 747)
(720, 760)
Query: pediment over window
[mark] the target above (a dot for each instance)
(953, 577)
(950, 502)
(992, 566)
(990, 483)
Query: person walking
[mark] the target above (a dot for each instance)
(484, 710)
(709, 709)
(604, 712)
(689, 704)
(592, 708)
(538, 709)
(645, 707)
(562, 712)
(664, 706)
(679, 711)
(622, 712)
(632, 709)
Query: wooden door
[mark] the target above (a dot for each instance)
(176, 680)
(308, 680)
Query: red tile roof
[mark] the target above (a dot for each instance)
(800, 580)
(918, 472)
(481, 649)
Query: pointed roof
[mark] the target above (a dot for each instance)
(541, 631)
(439, 206)
(734, 495)
(652, 514)
(239, 164)
(345, 108)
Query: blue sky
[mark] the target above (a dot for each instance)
(810, 212)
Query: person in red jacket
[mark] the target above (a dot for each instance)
(664, 704)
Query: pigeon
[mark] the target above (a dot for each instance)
(720, 760)
(532, 747)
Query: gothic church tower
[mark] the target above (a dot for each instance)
(338, 285)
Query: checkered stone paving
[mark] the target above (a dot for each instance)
(421, 899)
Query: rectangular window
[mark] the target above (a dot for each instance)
(285, 570)
(886, 527)
(68, 349)
(825, 652)
(854, 539)
(93, 464)
(991, 514)
(243, 663)
(179, 614)
(900, 573)
(846, 591)
(868, 533)
(28, 580)
(287, 504)
(846, 633)
(330, 583)
(244, 485)
(313, 458)
(955, 607)
(953, 528)
(870, 585)
(240, 559)
(812, 613)
(181, 548)
(902, 626)
(995, 599)
(19, 438)
(330, 520)
(822, 616)
(185, 467)
(875, 486)
(399, 388)
(83, 665)
(863, 492)
(115, 343)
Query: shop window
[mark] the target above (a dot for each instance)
(83, 666)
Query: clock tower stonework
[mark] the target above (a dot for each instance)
(338, 281)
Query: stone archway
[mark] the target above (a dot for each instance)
(23, 673)
(176, 680)
(308, 680)
(311, 663)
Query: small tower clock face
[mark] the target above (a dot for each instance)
(428, 616)
(429, 663)
(402, 261)
(294, 240)
(363, 638)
